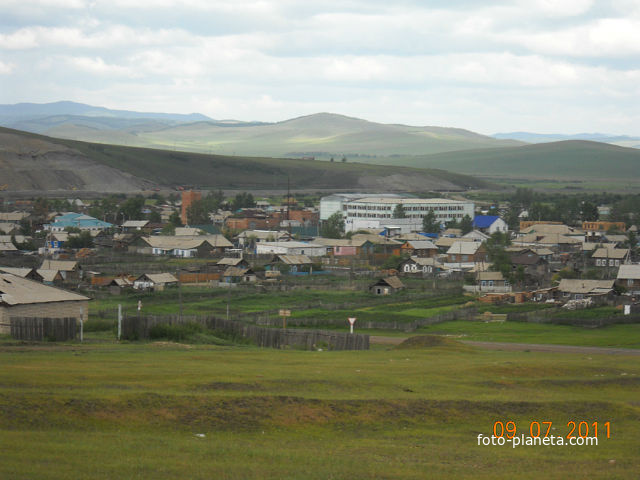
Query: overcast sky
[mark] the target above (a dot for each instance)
(562, 66)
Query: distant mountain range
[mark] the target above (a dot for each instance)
(318, 135)
(622, 140)
(258, 155)
(35, 163)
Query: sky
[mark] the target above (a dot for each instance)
(548, 66)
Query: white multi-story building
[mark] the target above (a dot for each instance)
(378, 210)
(335, 203)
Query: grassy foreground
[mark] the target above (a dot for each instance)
(163, 410)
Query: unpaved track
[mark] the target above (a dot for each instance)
(522, 347)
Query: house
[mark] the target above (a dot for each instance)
(249, 238)
(232, 262)
(239, 275)
(131, 226)
(76, 220)
(28, 273)
(597, 290)
(476, 236)
(386, 286)
(118, 284)
(291, 248)
(444, 243)
(491, 282)
(188, 231)
(7, 247)
(467, 253)
(629, 278)
(609, 257)
(382, 244)
(345, 247)
(422, 265)
(70, 270)
(50, 277)
(13, 217)
(186, 246)
(420, 248)
(294, 263)
(532, 263)
(489, 224)
(595, 227)
(21, 297)
(155, 281)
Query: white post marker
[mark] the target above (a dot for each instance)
(352, 320)
(139, 305)
(81, 324)
(119, 320)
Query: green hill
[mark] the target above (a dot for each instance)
(28, 153)
(572, 159)
(320, 135)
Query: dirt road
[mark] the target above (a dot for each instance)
(532, 347)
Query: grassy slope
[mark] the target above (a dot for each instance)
(569, 159)
(133, 411)
(180, 168)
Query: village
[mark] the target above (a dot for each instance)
(372, 244)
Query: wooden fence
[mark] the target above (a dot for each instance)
(139, 328)
(273, 320)
(547, 316)
(41, 329)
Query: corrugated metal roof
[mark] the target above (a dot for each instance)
(135, 223)
(295, 259)
(15, 290)
(48, 275)
(59, 265)
(615, 253)
(186, 242)
(464, 248)
(584, 286)
(629, 272)
(159, 278)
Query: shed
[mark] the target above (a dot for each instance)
(386, 286)
(20, 297)
(155, 281)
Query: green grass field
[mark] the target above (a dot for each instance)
(163, 411)
(331, 305)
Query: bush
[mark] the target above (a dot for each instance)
(99, 325)
(175, 333)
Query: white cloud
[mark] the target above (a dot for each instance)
(456, 62)
(6, 68)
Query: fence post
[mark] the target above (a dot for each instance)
(119, 321)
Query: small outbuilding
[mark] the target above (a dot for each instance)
(386, 286)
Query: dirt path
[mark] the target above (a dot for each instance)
(532, 347)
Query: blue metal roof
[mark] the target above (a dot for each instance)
(484, 221)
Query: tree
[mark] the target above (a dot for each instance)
(430, 224)
(333, 227)
(398, 211)
(466, 224)
(243, 200)
(589, 212)
(175, 220)
(500, 260)
(132, 208)
(154, 217)
(82, 240)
